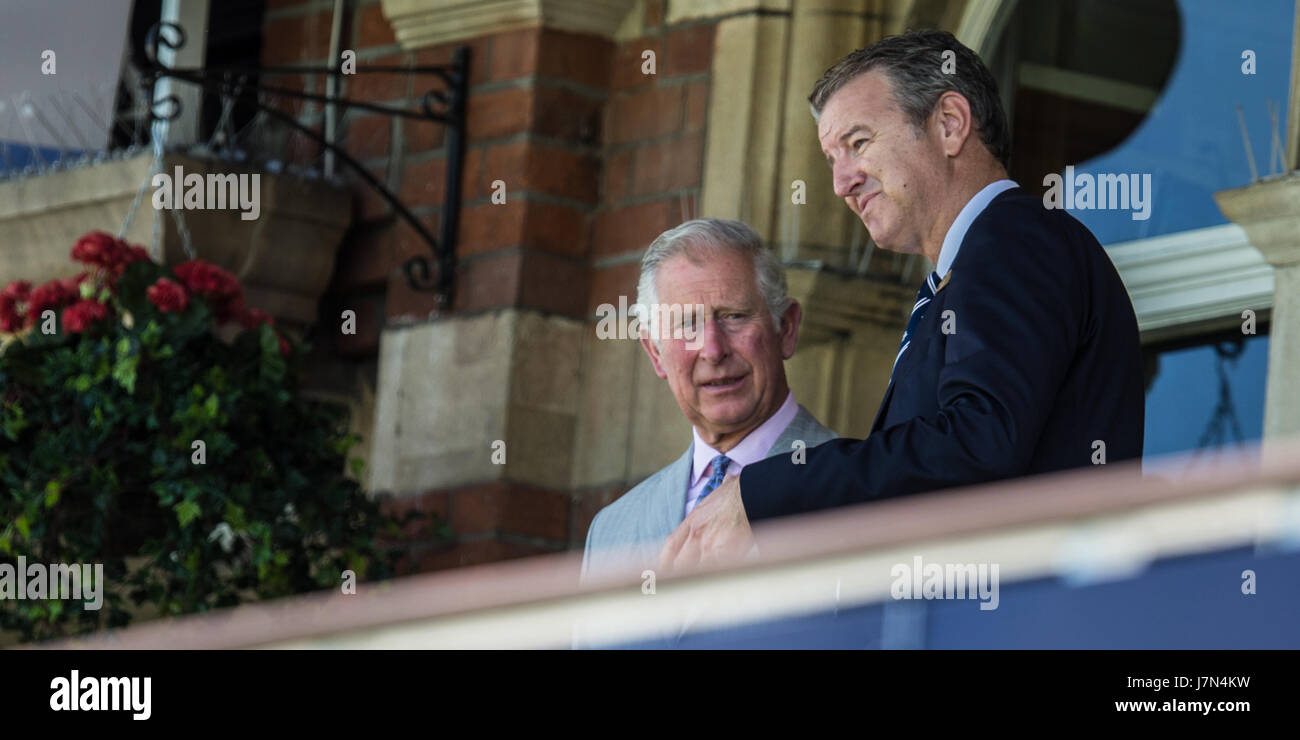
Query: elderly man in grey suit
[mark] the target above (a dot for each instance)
(727, 375)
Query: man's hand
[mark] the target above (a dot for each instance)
(717, 531)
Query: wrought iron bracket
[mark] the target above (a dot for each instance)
(444, 106)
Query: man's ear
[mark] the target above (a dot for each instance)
(653, 352)
(790, 328)
(954, 121)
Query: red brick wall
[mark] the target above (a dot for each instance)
(597, 159)
(653, 153)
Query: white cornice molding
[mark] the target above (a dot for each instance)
(1194, 277)
(1269, 211)
(421, 23)
(679, 11)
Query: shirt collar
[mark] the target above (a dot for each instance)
(957, 232)
(753, 447)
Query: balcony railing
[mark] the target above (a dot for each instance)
(1090, 558)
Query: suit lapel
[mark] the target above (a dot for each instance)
(884, 406)
(889, 392)
(794, 430)
(804, 426)
(672, 503)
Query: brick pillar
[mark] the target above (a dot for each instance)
(476, 408)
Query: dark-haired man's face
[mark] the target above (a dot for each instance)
(883, 167)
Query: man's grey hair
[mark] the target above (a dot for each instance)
(698, 238)
(914, 64)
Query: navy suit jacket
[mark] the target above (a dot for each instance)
(1040, 361)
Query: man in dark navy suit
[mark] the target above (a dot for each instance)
(1021, 355)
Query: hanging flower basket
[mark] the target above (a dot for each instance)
(284, 258)
(132, 429)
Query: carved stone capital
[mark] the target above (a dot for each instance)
(1269, 211)
(421, 23)
(837, 304)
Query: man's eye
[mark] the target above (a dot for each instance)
(859, 143)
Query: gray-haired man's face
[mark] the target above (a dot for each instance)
(730, 378)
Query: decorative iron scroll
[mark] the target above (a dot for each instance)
(440, 106)
(1223, 422)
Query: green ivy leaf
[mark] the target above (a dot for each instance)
(23, 527)
(235, 515)
(186, 512)
(14, 421)
(273, 365)
(52, 492)
(124, 370)
(151, 334)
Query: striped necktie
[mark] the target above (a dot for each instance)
(719, 465)
(923, 298)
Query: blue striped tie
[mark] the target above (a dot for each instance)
(719, 465)
(923, 298)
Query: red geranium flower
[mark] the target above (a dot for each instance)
(168, 296)
(80, 315)
(52, 295)
(13, 304)
(97, 248)
(127, 255)
(219, 286)
(255, 317)
(107, 252)
(19, 290)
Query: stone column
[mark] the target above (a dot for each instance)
(1269, 211)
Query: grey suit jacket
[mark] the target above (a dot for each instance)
(628, 534)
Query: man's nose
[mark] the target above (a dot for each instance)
(712, 342)
(847, 179)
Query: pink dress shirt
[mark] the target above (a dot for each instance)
(752, 448)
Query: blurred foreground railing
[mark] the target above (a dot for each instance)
(1090, 558)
